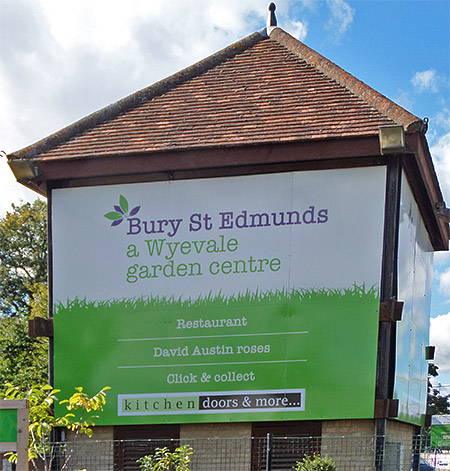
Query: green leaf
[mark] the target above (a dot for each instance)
(123, 203)
(42, 421)
(113, 216)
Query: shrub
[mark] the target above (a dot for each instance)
(315, 462)
(165, 460)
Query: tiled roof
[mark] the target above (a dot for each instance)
(265, 89)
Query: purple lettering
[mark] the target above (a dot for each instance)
(134, 226)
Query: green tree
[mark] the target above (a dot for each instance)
(23, 257)
(23, 360)
(23, 294)
(436, 403)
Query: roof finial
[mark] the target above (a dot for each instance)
(271, 18)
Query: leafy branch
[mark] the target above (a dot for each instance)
(42, 421)
(165, 460)
(315, 462)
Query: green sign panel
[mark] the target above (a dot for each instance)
(8, 425)
(189, 360)
(440, 436)
(229, 299)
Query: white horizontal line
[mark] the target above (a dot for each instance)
(211, 336)
(213, 364)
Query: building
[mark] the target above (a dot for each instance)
(243, 248)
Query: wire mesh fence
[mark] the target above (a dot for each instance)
(387, 453)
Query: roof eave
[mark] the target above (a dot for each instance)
(427, 190)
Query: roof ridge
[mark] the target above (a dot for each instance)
(356, 86)
(137, 98)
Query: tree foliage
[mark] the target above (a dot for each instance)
(315, 462)
(436, 403)
(23, 294)
(23, 360)
(42, 420)
(165, 460)
(23, 256)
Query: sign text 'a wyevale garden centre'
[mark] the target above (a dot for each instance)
(168, 249)
(239, 298)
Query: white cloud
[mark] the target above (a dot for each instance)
(10, 190)
(310, 4)
(341, 18)
(60, 61)
(441, 258)
(442, 118)
(298, 29)
(439, 336)
(441, 156)
(426, 80)
(444, 282)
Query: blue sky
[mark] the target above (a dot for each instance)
(61, 60)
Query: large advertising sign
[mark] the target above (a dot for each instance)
(226, 299)
(440, 432)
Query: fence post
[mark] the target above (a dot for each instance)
(269, 452)
(417, 447)
(379, 451)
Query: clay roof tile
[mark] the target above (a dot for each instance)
(259, 90)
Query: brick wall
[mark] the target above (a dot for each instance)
(234, 450)
(100, 446)
(348, 428)
(349, 443)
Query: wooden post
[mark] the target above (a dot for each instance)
(388, 294)
(22, 437)
(21, 443)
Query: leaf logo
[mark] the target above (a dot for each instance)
(121, 212)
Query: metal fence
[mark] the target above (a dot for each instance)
(390, 453)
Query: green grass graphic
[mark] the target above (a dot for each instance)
(323, 340)
(264, 297)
